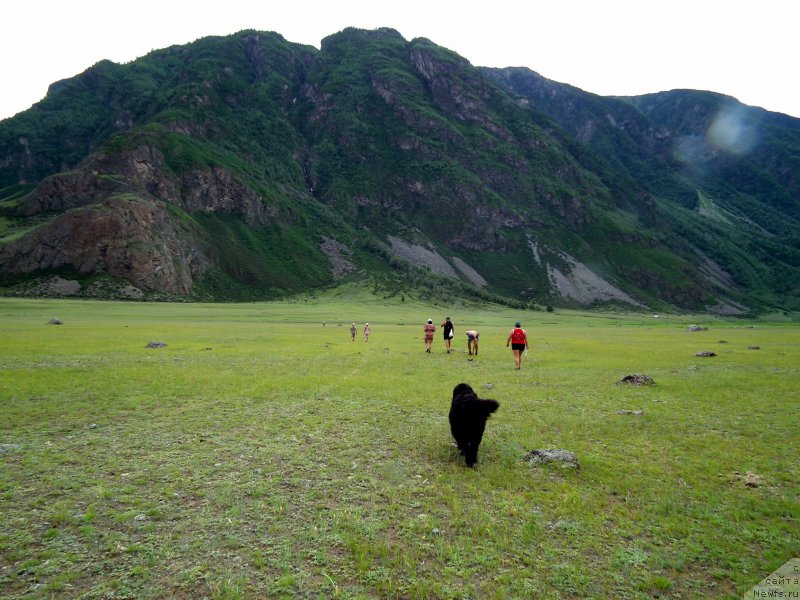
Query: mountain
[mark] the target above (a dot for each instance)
(247, 166)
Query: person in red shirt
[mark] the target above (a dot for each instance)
(518, 338)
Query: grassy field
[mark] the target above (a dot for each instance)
(260, 454)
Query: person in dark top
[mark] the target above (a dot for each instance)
(448, 331)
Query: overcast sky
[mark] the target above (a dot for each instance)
(744, 48)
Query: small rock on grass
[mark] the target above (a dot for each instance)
(696, 328)
(635, 379)
(704, 353)
(55, 322)
(156, 345)
(563, 458)
(9, 448)
(630, 412)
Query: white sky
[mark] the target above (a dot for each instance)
(744, 48)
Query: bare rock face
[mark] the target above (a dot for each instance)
(124, 236)
(339, 255)
(138, 170)
(215, 189)
(114, 219)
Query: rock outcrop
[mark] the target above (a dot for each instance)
(124, 236)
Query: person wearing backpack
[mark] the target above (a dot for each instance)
(518, 338)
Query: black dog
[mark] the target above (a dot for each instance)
(468, 415)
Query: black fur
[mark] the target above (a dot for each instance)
(468, 415)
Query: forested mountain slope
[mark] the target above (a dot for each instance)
(247, 166)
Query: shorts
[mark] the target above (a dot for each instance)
(472, 337)
(519, 347)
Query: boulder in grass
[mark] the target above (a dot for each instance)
(156, 345)
(563, 458)
(55, 322)
(635, 379)
(754, 347)
(704, 354)
(630, 412)
(696, 328)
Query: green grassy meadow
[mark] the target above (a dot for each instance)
(262, 455)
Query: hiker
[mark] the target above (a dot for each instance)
(353, 331)
(518, 338)
(366, 332)
(428, 328)
(448, 332)
(472, 341)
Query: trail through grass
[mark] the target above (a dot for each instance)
(262, 454)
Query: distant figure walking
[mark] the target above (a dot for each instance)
(448, 331)
(366, 332)
(353, 331)
(429, 328)
(472, 341)
(518, 338)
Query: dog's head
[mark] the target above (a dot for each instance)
(464, 395)
(463, 390)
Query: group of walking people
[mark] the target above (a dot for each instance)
(354, 331)
(517, 339)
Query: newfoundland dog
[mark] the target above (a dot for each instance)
(468, 415)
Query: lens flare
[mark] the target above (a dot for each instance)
(731, 131)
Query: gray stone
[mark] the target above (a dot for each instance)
(635, 379)
(704, 353)
(156, 345)
(559, 457)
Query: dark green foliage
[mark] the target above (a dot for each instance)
(259, 262)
